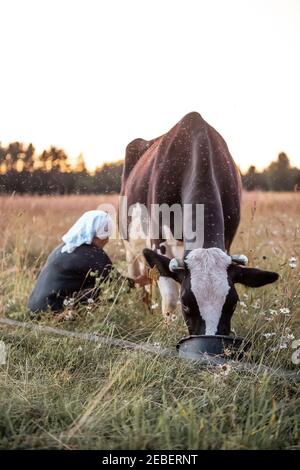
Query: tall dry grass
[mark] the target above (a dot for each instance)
(59, 393)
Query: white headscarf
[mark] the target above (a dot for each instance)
(91, 224)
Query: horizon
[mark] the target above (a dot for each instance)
(73, 161)
(89, 77)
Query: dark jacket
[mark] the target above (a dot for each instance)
(67, 274)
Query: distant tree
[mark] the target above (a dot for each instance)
(108, 178)
(14, 154)
(80, 165)
(253, 180)
(250, 179)
(2, 158)
(279, 174)
(54, 159)
(44, 162)
(28, 158)
(59, 159)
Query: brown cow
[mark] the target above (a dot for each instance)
(189, 166)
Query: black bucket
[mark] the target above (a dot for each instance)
(215, 345)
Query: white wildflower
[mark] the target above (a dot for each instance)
(273, 312)
(288, 337)
(243, 305)
(68, 301)
(223, 369)
(284, 310)
(296, 354)
(153, 306)
(268, 335)
(279, 347)
(256, 304)
(293, 262)
(90, 301)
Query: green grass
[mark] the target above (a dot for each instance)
(134, 400)
(152, 403)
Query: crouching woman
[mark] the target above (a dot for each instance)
(68, 269)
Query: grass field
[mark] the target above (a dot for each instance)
(133, 400)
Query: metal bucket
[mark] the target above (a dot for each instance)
(215, 345)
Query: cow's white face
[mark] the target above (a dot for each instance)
(208, 295)
(209, 283)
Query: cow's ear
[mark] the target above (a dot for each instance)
(251, 277)
(162, 264)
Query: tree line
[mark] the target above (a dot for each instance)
(278, 176)
(22, 171)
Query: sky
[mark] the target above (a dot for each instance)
(92, 75)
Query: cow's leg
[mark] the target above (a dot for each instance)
(169, 297)
(169, 289)
(133, 258)
(136, 267)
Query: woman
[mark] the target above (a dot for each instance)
(75, 268)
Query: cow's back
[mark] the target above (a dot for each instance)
(189, 164)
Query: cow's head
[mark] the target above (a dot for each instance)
(208, 294)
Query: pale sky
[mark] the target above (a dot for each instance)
(92, 75)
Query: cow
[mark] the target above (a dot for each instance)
(190, 165)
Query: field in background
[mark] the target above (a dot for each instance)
(148, 402)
